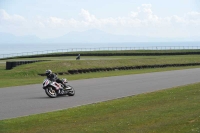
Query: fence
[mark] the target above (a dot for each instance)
(11, 64)
(2, 56)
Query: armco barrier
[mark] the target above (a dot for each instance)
(79, 71)
(117, 54)
(11, 64)
(94, 49)
(109, 54)
(129, 68)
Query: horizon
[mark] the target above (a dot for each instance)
(54, 47)
(53, 19)
(90, 36)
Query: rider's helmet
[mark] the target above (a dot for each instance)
(48, 72)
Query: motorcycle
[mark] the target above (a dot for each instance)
(54, 89)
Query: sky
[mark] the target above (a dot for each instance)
(54, 18)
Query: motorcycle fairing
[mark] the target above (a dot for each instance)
(54, 84)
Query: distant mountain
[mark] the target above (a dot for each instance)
(89, 36)
(96, 36)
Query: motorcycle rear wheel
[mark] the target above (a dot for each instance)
(51, 92)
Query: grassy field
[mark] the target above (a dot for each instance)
(28, 74)
(175, 110)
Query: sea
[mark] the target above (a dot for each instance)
(7, 50)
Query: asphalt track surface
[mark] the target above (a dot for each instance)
(31, 99)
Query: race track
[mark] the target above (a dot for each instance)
(31, 99)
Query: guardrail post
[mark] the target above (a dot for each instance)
(98, 49)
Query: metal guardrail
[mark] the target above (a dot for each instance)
(2, 56)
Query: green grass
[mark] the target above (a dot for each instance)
(65, 65)
(172, 110)
(28, 74)
(175, 110)
(8, 82)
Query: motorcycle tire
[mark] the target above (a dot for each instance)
(71, 91)
(51, 92)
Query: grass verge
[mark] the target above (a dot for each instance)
(25, 80)
(172, 110)
(28, 74)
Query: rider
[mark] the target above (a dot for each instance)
(53, 77)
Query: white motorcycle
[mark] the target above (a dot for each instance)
(54, 89)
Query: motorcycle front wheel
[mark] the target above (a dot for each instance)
(51, 92)
(71, 91)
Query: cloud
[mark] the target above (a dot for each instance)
(5, 18)
(142, 21)
(87, 16)
(193, 17)
(145, 12)
(56, 20)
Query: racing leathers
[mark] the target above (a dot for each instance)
(53, 77)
